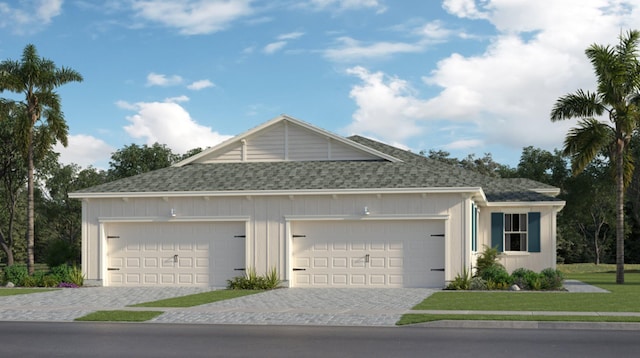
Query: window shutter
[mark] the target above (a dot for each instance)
(534, 231)
(497, 231)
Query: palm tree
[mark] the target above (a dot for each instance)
(36, 78)
(608, 118)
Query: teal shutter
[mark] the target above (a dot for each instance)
(533, 232)
(497, 231)
(474, 228)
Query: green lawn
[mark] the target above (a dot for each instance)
(120, 316)
(421, 318)
(623, 298)
(198, 298)
(23, 291)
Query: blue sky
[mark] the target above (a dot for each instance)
(463, 76)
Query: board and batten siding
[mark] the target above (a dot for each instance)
(266, 236)
(537, 261)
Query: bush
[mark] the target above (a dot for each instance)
(75, 276)
(29, 281)
(460, 282)
(50, 281)
(524, 278)
(60, 252)
(252, 281)
(497, 277)
(15, 274)
(487, 259)
(551, 279)
(61, 272)
(478, 284)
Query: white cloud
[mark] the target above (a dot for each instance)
(274, 47)
(387, 108)
(85, 150)
(351, 50)
(504, 94)
(177, 99)
(291, 36)
(193, 17)
(169, 123)
(156, 79)
(201, 84)
(343, 5)
(28, 17)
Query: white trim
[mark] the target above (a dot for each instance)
(372, 217)
(147, 219)
(526, 204)
(285, 118)
(443, 190)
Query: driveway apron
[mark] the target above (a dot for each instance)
(314, 306)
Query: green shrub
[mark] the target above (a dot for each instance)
(75, 276)
(460, 282)
(62, 272)
(252, 281)
(497, 277)
(524, 278)
(478, 284)
(29, 281)
(15, 274)
(60, 252)
(551, 279)
(50, 281)
(486, 260)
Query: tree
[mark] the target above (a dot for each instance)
(134, 159)
(12, 179)
(543, 166)
(36, 78)
(617, 98)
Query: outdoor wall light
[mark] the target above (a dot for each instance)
(173, 213)
(366, 211)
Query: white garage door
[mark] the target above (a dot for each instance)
(406, 253)
(174, 254)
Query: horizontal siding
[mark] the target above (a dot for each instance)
(267, 145)
(306, 145)
(341, 151)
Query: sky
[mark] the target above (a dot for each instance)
(462, 76)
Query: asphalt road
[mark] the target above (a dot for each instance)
(94, 340)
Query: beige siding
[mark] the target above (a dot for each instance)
(536, 261)
(266, 231)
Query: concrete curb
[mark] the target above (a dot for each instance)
(620, 326)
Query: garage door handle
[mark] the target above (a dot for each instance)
(113, 269)
(299, 269)
(239, 269)
(438, 269)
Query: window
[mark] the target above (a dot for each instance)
(515, 232)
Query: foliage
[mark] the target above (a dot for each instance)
(497, 277)
(461, 281)
(486, 259)
(551, 279)
(478, 284)
(75, 276)
(526, 279)
(134, 159)
(41, 122)
(253, 281)
(617, 97)
(15, 274)
(60, 252)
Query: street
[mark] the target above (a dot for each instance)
(31, 339)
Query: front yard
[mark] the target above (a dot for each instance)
(623, 298)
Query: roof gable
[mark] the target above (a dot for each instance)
(286, 139)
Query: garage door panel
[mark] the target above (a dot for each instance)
(203, 254)
(369, 254)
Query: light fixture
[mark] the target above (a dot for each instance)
(366, 211)
(173, 213)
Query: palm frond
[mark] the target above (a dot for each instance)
(577, 105)
(584, 142)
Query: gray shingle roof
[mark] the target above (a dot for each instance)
(414, 172)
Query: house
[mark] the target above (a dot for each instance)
(323, 210)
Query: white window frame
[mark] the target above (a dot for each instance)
(508, 230)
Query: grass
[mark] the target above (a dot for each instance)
(198, 298)
(120, 316)
(22, 291)
(421, 318)
(623, 298)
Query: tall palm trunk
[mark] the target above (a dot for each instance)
(620, 211)
(30, 203)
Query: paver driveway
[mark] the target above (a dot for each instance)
(352, 307)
